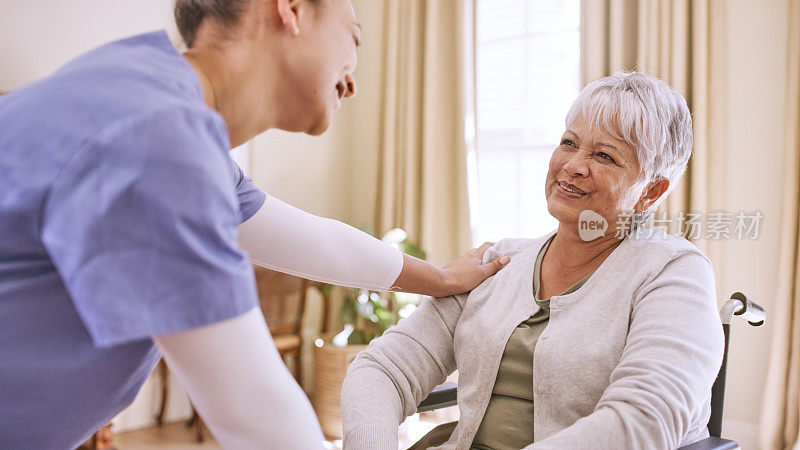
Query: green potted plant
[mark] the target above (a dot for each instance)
(368, 314)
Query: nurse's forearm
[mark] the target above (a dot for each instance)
(240, 385)
(459, 276)
(287, 239)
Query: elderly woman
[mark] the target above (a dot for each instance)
(609, 341)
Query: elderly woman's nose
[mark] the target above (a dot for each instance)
(576, 165)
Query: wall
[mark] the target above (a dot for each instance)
(38, 37)
(308, 172)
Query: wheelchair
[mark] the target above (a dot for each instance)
(445, 394)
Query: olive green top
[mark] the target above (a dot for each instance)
(508, 420)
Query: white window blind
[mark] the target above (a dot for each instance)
(527, 75)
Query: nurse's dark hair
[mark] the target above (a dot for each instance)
(189, 14)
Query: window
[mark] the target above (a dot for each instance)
(527, 75)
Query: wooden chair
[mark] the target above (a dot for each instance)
(282, 299)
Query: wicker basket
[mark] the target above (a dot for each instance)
(330, 367)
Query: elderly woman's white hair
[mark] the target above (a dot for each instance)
(646, 113)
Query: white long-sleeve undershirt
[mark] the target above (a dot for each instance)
(290, 240)
(240, 386)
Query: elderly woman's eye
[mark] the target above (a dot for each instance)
(568, 142)
(606, 156)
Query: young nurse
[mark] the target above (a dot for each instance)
(120, 211)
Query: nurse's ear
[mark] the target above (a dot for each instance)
(289, 11)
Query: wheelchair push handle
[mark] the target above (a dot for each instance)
(740, 305)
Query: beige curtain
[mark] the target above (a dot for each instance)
(422, 176)
(681, 42)
(780, 416)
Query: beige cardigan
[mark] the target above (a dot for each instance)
(626, 362)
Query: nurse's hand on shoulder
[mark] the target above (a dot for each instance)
(467, 272)
(456, 277)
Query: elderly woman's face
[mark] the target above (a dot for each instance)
(591, 170)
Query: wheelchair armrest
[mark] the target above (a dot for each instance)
(442, 396)
(712, 443)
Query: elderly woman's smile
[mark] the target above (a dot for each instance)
(571, 191)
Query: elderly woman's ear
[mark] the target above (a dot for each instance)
(654, 191)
